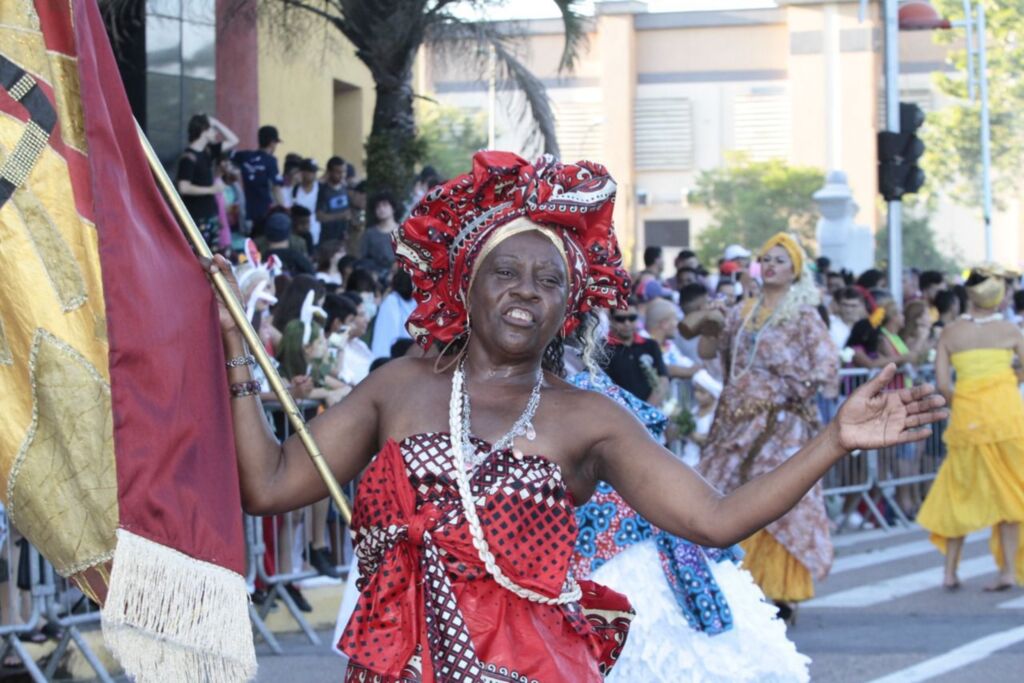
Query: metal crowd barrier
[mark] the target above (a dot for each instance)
(874, 479)
(42, 597)
(273, 563)
(51, 599)
(885, 475)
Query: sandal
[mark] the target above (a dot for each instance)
(998, 588)
(12, 661)
(37, 637)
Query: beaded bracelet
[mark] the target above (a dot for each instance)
(241, 389)
(239, 361)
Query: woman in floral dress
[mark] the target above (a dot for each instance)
(777, 355)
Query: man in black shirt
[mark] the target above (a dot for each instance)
(278, 231)
(635, 362)
(197, 183)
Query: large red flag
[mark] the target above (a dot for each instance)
(117, 452)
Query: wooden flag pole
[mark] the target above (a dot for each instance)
(251, 338)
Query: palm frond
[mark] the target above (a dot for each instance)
(575, 34)
(534, 93)
(459, 40)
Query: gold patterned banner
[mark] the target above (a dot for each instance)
(56, 430)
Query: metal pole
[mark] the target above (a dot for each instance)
(969, 28)
(492, 97)
(220, 283)
(986, 134)
(892, 123)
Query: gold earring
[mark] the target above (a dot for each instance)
(462, 337)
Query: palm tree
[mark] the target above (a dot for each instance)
(387, 35)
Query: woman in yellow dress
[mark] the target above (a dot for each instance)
(981, 482)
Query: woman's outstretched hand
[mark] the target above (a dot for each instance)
(875, 418)
(220, 264)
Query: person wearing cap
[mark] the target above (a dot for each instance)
(738, 255)
(306, 193)
(261, 177)
(332, 206)
(472, 463)
(279, 241)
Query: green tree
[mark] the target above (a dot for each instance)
(919, 248)
(388, 34)
(952, 135)
(750, 201)
(450, 136)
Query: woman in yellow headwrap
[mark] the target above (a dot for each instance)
(776, 354)
(981, 482)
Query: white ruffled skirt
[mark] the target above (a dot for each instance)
(663, 648)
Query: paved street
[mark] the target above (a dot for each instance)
(879, 617)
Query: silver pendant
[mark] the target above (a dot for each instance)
(531, 433)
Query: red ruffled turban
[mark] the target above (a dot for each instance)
(440, 243)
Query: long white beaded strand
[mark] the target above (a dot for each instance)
(457, 436)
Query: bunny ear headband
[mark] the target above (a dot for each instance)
(273, 265)
(309, 309)
(260, 293)
(252, 252)
(255, 274)
(253, 267)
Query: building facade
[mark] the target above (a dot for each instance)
(221, 57)
(659, 97)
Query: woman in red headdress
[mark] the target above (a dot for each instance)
(472, 464)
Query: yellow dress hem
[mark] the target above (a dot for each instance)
(778, 573)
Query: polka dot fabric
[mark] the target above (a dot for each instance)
(428, 611)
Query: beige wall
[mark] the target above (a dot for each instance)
(316, 91)
(839, 47)
(616, 46)
(701, 49)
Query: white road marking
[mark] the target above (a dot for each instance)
(958, 657)
(901, 586)
(844, 540)
(897, 552)
(1016, 603)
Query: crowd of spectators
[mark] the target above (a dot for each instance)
(318, 275)
(654, 340)
(332, 303)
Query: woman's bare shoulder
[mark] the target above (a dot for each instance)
(591, 414)
(402, 375)
(1010, 329)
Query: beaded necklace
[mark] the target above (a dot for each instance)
(984, 319)
(756, 334)
(523, 426)
(456, 420)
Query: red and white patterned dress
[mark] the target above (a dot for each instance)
(429, 611)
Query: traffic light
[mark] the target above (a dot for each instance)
(898, 155)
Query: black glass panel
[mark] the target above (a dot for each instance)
(163, 45)
(197, 50)
(164, 114)
(199, 96)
